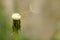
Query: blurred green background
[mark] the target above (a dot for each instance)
(40, 19)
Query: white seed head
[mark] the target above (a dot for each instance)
(16, 16)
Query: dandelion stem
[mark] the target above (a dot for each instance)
(16, 35)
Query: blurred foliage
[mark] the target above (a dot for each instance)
(3, 24)
(23, 37)
(56, 35)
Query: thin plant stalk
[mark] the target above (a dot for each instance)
(16, 35)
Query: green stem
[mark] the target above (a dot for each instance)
(16, 26)
(16, 35)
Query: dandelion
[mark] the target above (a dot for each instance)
(16, 24)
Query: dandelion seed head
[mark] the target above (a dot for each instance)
(16, 16)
